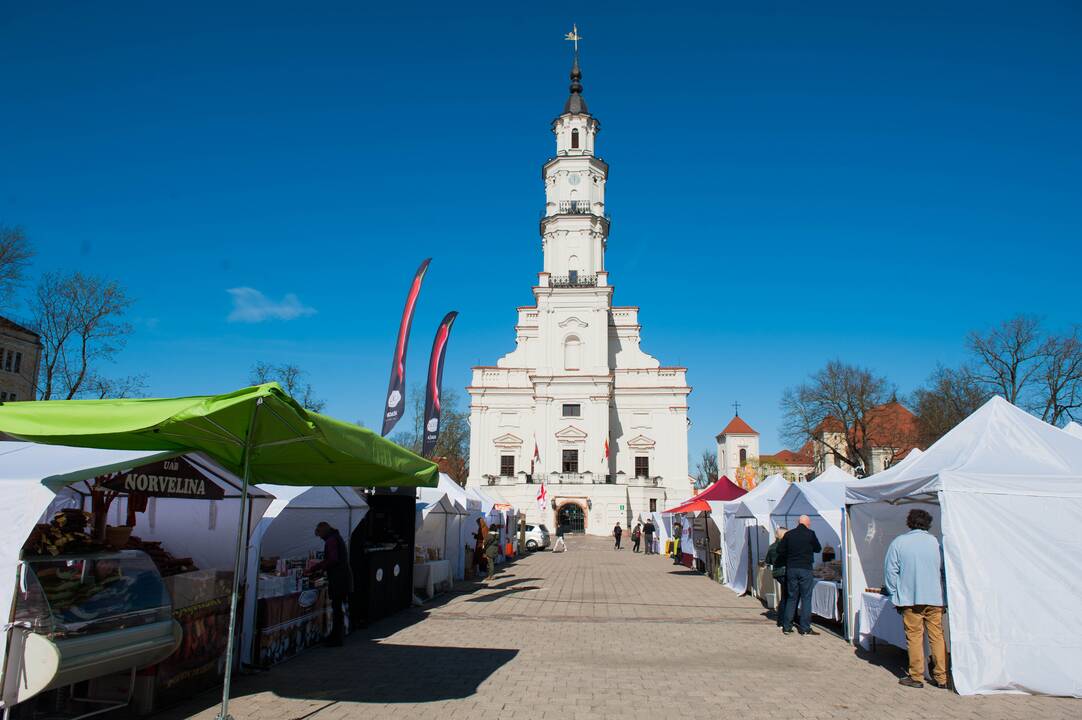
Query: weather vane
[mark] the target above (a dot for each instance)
(574, 37)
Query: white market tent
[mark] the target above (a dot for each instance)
(486, 500)
(1005, 489)
(445, 521)
(822, 499)
(287, 530)
(1074, 429)
(746, 530)
(36, 480)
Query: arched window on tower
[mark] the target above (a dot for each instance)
(574, 139)
(743, 457)
(572, 353)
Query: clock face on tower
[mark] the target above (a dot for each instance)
(574, 179)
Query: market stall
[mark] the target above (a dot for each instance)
(126, 526)
(439, 534)
(381, 554)
(1005, 491)
(746, 533)
(694, 538)
(288, 611)
(258, 433)
(458, 533)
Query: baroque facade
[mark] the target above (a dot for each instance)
(578, 406)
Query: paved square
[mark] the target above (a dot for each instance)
(594, 633)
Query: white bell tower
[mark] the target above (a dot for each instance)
(575, 230)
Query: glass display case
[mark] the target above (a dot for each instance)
(83, 616)
(69, 596)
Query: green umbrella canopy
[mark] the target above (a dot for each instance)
(288, 444)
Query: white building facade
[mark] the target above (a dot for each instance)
(578, 405)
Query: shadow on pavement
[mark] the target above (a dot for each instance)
(366, 670)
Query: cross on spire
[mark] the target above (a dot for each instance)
(574, 37)
(736, 407)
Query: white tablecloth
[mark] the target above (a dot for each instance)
(430, 574)
(825, 600)
(877, 619)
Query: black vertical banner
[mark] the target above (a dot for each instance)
(396, 389)
(435, 382)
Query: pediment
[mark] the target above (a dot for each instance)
(641, 442)
(573, 322)
(571, 434)
(508, 440)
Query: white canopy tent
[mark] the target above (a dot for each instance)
(1074, 429)
(821, 499)
(287, 529)
(745, 527)
(1006, 491)
(36, 480)
(445, 523)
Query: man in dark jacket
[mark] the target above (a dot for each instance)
(796, 551)
(648, 535)
(336, 564)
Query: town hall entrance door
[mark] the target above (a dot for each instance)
(571, 518)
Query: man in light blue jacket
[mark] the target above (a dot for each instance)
(913, 575)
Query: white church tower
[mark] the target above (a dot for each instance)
(609, 424)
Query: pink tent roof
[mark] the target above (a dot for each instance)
(722, 490)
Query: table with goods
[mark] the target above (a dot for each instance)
(293, 610)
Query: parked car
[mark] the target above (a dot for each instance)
(537, 537)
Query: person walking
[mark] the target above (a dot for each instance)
(777, 570)
(648, 534)
(796, 551)
(676, 530)
(617, 532)
(560, 545)
(913, 576)
(636, 537)
(335, 563)
(492, 549)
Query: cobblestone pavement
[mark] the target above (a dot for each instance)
(594, 633)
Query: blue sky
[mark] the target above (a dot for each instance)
(790, 182)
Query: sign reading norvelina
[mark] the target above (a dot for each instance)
(174, 478)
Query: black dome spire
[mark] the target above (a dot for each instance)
(575, 103)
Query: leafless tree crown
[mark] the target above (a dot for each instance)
(293, 381)
(15, 255)
(80, 320)
(837, 406)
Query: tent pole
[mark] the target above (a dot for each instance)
(223, 713)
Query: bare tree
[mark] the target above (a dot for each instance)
(15, 254)
(837, 407)
(128, 386)
(948, 397)
(79, 319)
(1008, 357)
(706, 471)
(1061, 378)
(292, 379)
(453, 445)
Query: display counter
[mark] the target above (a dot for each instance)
(826, 600)
(79, 617)
(430, 575)
(290, 623)
(201, 608)
(879, 621)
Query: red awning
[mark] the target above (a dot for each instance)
(721, 490)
